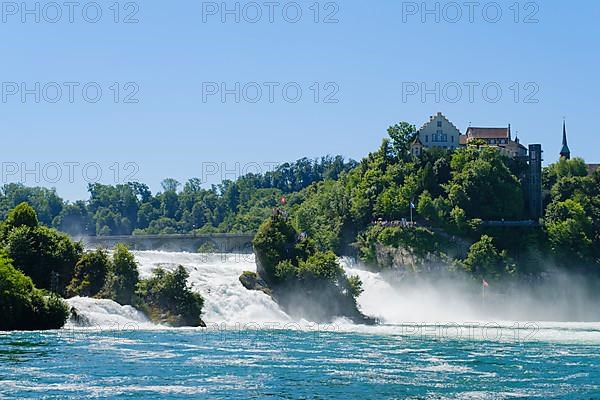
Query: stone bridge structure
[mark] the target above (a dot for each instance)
(214, 242)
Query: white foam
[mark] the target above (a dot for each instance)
(423, 312)
(106, 314)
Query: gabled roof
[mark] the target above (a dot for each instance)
(488, 133)
(433, 117)
(417, 141)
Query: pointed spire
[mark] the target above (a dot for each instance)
(565, 152)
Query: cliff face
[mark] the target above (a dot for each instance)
(419, 250)
(318, 302)
(388, 257)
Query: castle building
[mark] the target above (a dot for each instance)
(441, 133)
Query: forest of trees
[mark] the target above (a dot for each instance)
(232, 206)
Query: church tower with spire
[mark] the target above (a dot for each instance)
(565, 152)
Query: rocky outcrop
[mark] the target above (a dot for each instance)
(252, 281)
(305, 282)
(318, 302)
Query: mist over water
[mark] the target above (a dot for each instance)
(388, 295)
(396, 297)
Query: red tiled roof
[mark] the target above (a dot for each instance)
(462, 140)
(488, 133)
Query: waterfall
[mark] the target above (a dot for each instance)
(216, 278)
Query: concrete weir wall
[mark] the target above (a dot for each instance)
(222, 242)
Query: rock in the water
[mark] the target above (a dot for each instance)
(251, 281)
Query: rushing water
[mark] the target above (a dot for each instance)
(252, 349)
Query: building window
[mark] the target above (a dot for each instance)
(426, 138)
(452, 139)
(439, 137)
(439, 124)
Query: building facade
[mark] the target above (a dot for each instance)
(438, 132)
(496, 137)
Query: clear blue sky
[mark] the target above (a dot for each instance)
(371, 54)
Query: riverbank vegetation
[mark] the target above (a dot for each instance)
(25, 307)
(39, 266)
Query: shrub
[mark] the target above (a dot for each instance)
(485, 261)
(123, 276)
(320, 266)
(90, 274)
(355, 286)
(167, 298)
(285, 270)
(274, 242)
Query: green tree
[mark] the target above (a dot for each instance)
(484, 260)
(563, 168)
(274, 242)
(168, 298)
(90, 274)
(483, 186)
(569, 231)
(22, 306)
(75, 220)
(170, 185)
(325, 215)
(45, 255)
(321, 266)
(22, 215)
(123, 276)
(402, 135)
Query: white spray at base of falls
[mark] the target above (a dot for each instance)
(385, 299)
(106, 314)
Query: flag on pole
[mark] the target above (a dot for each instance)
(412, 205)
(485, 284)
